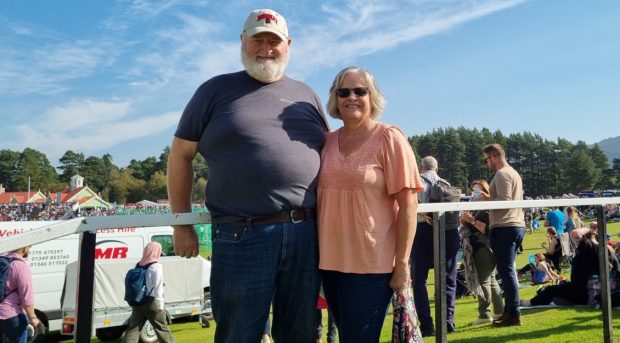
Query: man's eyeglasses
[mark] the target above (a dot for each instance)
(345, 92)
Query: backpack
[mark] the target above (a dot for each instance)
(135, 286)
(5, 263)
(442, 191)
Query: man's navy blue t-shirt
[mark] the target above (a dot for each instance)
(261, 142)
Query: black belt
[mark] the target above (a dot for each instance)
(293, 216)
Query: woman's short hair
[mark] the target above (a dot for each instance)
(377, 101)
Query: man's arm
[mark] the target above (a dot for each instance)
(576, 234)
(503, 186)
(180, 182)
(32, 317)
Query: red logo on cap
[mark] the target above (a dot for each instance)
(268, 18)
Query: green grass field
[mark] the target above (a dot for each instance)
(557, 325)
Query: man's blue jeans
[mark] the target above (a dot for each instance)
(252, 267)
(15, 328)
(359, 303)
(504, 242)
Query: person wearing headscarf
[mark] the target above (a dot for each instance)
(153, 310)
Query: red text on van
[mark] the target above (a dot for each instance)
(111, 253)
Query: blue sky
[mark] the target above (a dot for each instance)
(114, 76)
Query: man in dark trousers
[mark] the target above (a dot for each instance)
(422, 256)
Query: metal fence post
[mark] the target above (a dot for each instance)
(603, 257)
(85, 286)
(439, 254)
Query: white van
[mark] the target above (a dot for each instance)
(183, 293)
(48, 260)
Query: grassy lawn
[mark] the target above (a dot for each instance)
(557, 325)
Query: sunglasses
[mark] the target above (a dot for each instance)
(345, 92)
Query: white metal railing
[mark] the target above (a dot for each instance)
(87, 226)
(40, 234)
(91, 224)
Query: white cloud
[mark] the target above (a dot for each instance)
(89, 125)
(46, 69)
(350, 31)
(151, 52)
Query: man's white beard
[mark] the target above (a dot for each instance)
(266, 71)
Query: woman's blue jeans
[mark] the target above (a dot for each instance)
(359, 303)
(253, 267)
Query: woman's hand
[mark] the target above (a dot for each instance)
(467, 218)
(401, 278)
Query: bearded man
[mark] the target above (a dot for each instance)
(261, 134)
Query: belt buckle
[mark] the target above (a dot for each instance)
(293, 220)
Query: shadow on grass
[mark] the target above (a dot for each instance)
(541, 328)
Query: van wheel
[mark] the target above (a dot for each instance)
(110, 334)
(147, 335)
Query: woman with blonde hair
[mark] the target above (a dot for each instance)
(474, 226)
(367, 209)
(542, 272)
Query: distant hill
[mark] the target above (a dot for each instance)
(611, 148)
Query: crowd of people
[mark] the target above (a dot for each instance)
(43, 211)
(35, 211)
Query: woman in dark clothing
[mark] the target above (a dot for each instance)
(553, 247)
(584, 265)
(475, 238)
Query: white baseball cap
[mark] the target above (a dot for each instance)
(265, 20)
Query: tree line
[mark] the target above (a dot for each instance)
(547, 167)
(140, 180)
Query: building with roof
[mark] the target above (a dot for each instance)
(76, 193)
(20, 197)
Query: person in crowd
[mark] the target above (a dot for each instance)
(422, 256)
(617, 249)
(475, 227)
(153, 310)
(584, 266)
(542, 271)
(572, 221)
(367, 208)
(555, 218)
(507, 229)
(261, 134)
(576, 235)
(553, 248)
(17, 307)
